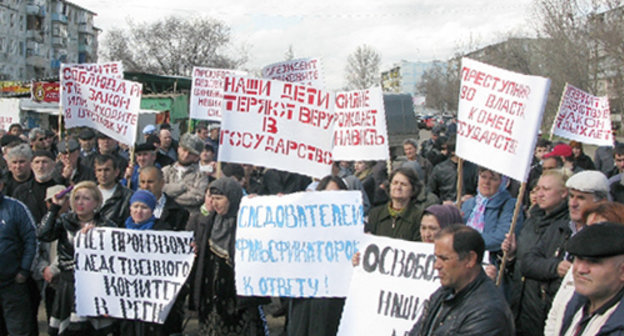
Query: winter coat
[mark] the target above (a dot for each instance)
(64, 229)
(498, 216)
(614, 326)
(189, 190)
(478, 309)
(443, 180)
(18, 242)
(84, 172)
(173, 216)
(530, 299)
(117, 207)
(405, 226)
(32, 194)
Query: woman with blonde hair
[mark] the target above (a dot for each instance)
(85, 200)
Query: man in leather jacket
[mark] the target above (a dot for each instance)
(468, 303)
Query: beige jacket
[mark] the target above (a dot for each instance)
(187, 187)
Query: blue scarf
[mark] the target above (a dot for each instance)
(477, 217)
(146, 225)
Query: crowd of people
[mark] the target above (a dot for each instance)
(563, 275)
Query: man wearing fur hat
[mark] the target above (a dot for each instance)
(183, 179)
(597, 307)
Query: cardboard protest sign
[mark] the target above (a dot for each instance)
(306, 71)
(131, 274)
(297, 245)
(207, 92)
(100, 101)
(389, 288)
(583, 117)
(10, 112)
(279, 125)
(360, 132)
(498, 117)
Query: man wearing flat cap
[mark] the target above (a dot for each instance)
(86, 138)
(145, 156)
(183, 179)
(597, 307)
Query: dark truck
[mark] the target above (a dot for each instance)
(400, 120)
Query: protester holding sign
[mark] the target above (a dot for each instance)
(221, 311)
(317, 316)
(85, 200)
(400, 218)
(142, 217)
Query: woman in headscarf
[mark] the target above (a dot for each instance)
(491, 211)
(85, 200)
(142, 204)
(221, 311)
(436, 218)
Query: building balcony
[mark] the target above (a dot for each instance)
(36, 61)
(59, 42)
(34, 10)
(85, 48)
(34, 35)
(59, 17)
(85, 28)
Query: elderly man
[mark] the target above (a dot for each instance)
(32, 193)
(184, 182)
(597, 307)
(545, 264)
(37, 139)
(167, 145)
(18, 160)
(18, 246)
(468, 303)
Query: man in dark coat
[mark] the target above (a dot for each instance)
(443, 179)
(166, 210)
(530, 301)
(116, 198)
(72, 169)
(468, 303)
(18, 246)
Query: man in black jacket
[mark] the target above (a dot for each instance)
(116, 198)
(468, 303)
(72, 168)
(167, 210)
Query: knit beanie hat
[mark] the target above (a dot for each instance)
(145, 197)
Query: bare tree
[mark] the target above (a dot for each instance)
(440, 85)
(362, 70)
(171, 46)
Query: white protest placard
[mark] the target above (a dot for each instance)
(297, 245)
(583, 117)
(306, 71)
(279, 125)
(113, 69)
(10, 108)
(360, 132)
(131, 274)
(207, 92)
(104, 102)
(498, 117)
(389, 288)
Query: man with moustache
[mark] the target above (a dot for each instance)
(468, 303)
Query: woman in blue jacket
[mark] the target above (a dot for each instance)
(491, 211)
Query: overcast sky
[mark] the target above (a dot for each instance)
(413, 30)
